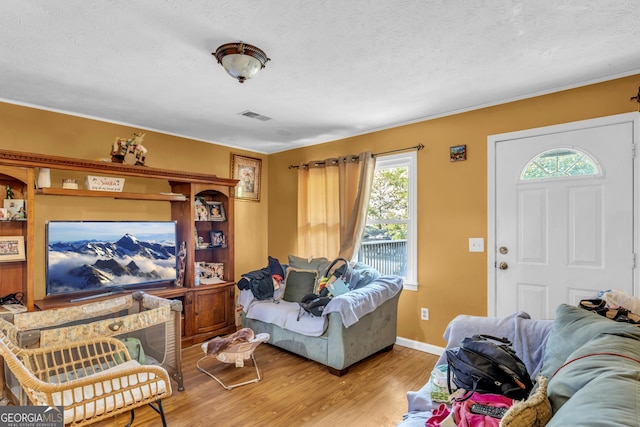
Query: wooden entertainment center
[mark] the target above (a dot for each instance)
(208, 309)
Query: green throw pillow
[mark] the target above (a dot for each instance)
(318, 264)
(298, 283)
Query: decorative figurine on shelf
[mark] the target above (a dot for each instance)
(129, 151)
(21, 214)
(9, 193)
(182, 255)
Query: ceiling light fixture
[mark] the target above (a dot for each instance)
(241, 60)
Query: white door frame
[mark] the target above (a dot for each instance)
(492, 140)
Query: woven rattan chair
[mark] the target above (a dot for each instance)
(93, 380)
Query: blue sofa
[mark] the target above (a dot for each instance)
(353, 326)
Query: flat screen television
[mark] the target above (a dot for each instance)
(109, 256)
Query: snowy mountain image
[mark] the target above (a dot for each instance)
(99, 262)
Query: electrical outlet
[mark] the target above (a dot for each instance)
(476, 244)
(424, 314)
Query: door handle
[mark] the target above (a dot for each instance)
(503, 265)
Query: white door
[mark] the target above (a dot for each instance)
(562, 227)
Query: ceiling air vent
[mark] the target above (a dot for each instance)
(254, 115)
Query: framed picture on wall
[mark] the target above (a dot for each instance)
(248, 171)
(458, 153)
(12, 248)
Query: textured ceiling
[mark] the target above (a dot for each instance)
(338, 67)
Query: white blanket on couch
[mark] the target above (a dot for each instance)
(359, 302)
(287, 315)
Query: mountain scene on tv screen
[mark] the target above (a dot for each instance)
(98, 264)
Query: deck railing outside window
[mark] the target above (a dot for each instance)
(389, 257)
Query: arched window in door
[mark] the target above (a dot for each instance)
(560, 163)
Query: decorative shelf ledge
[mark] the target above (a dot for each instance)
(17, 158)
(170, 197)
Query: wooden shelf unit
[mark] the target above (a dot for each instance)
(208, 309)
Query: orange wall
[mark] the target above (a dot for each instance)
(39, 131)
(452, 205)
(452, 202)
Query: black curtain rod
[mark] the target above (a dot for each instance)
(415, 147)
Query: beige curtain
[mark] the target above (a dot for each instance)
(333, 196)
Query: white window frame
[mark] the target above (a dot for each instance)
(409, 160)
(589, 157)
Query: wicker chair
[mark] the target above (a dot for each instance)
(93, 379)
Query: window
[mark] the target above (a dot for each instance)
(390, 238)
(560, 163)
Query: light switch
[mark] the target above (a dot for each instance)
(476, 244)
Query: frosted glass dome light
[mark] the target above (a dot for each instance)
(242, 61)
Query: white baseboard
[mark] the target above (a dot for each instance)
(421, 346)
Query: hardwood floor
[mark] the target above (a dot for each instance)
(293, 391)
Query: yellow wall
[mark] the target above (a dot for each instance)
(38, 131)
(452, 203)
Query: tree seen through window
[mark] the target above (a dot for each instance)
(557, 163)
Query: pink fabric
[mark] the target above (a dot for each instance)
(465, 418)
(438, 416)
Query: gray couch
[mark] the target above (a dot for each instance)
(592, 365)
(358, 324)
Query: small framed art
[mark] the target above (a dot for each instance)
(457, 153)
(248, 171)
(217, 268)
(201, 209)
(12, 248)
(210, 272)
(15, 208)
(216, 211)
(218, 239)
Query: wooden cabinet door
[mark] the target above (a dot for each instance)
(213, 310)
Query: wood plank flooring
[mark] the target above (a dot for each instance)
(293, 391)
